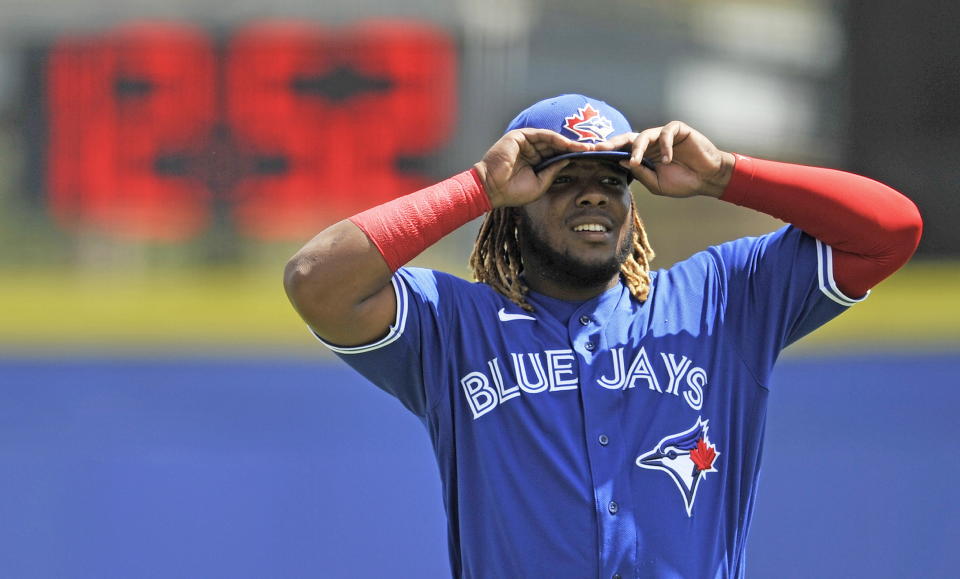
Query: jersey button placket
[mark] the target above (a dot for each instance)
(601, 407)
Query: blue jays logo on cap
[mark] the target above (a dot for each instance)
(589, 125)
(687, 457)
(579, 118)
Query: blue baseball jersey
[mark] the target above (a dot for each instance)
(608, 438)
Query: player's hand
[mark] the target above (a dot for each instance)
(506, 170)
(686, 163)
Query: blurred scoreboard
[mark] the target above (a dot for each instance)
(153, 130)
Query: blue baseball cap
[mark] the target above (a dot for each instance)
(579, 118)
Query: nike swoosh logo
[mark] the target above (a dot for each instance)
(505, 317)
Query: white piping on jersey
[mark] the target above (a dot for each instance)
(825, 277)
(825, 281)
(396, 330)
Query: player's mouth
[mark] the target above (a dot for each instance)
(592, 230)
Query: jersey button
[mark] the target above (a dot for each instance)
(589, 346)
(584, 320)
(613, 507)
(616, 576)
(603, 440)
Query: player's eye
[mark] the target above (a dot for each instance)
(612, 181)
(562, 180)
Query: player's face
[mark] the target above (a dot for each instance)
(580, 232)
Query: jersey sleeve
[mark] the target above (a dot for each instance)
(396, 362)
(778, 288)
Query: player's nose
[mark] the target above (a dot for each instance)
(592, 195)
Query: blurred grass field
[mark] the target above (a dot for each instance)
(243, 312)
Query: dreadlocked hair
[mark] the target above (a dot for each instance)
(495, 259)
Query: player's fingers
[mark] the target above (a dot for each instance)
(645, 163)
(645, 174)
(617, 143)
(641, 146)
(667, 138)
(548, 143)
(625, 142)
(547, 175)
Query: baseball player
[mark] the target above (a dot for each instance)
(592, 417)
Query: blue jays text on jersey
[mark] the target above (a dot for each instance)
(554, 370)
(609, 438)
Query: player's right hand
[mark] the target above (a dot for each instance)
(506, 170)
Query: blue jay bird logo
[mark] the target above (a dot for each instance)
(687, 457)
(589, 125)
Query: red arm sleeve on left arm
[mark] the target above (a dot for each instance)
(872, 228)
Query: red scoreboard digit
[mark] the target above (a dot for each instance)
(290, 126)
(116, 105)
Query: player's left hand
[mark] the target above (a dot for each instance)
(685, 162)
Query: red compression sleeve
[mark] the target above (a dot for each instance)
(872, 228)
(401, 229)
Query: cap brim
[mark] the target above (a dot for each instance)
(612, 156)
